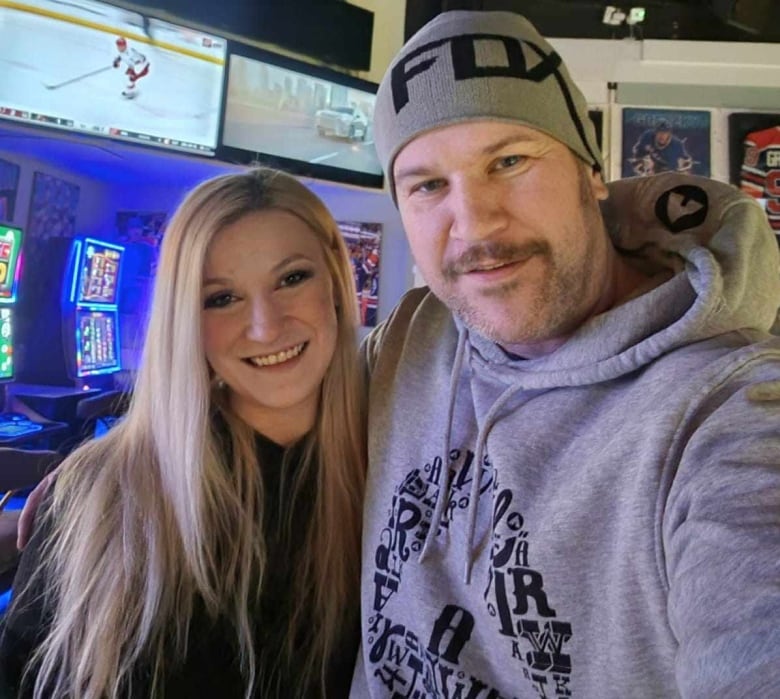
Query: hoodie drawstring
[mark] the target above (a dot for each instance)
(444, 489)
(490, 420)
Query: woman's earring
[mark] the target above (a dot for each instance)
(219, 383)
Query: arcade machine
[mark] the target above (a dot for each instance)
(17, 428)
(70, 339)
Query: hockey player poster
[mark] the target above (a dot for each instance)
(664, 140)
(754, 159)
(363, 243)
(146, 227)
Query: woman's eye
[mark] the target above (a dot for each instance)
(219, 300)
(296, 277)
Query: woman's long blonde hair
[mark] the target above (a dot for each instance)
(150, 517)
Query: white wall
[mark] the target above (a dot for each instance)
(594, 63)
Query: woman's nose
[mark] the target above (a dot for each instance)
(266, 320)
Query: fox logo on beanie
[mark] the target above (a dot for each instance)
(466, 65)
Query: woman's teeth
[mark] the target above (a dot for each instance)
(279, 357)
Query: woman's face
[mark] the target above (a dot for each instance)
(269, 320)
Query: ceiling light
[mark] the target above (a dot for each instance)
(636, 15)
(613, 16)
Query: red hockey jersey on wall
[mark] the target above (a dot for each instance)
(760, 173)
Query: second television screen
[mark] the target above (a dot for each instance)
(303, 116)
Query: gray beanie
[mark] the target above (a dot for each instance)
(465, 65)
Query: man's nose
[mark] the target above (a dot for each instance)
(477, 210)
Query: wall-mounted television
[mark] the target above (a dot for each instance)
(97, 342)
(96, 275)
(308, 120)
(10, 254)
(98, 69)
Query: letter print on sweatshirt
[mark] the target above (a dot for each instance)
(422, 659)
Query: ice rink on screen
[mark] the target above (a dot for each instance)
(56, 43)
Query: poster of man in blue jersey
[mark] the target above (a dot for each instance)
(665, 140)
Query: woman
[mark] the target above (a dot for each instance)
(208, 545)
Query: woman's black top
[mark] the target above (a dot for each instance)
(211, 667)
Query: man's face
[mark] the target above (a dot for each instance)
(504, 225)
(662, 137)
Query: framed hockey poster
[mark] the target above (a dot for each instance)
(754, 159)
(9, 183)
(665, 140)
(743, 125)
(144, 227)
(364, 243)
(141, 233)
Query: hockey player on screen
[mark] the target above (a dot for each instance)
(659, 150)
(135, 63)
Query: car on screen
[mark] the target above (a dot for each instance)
(344, 122)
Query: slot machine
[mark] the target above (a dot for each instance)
(69, 331)
(10, 265)
(91, 311)
(15, 427)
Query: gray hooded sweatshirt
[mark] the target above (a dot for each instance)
(600, 522)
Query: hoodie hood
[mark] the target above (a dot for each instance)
(716, 245)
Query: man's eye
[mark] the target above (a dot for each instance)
(296, 277)
(508, 161)
(219, 300)
(428, 186)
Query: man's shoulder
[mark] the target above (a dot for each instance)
(740, 361)
(418, 305)
(418, 318)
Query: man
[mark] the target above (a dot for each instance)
(659, 150)
(574, 479)
(135, 64)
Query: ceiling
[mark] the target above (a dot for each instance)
(690, 20)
